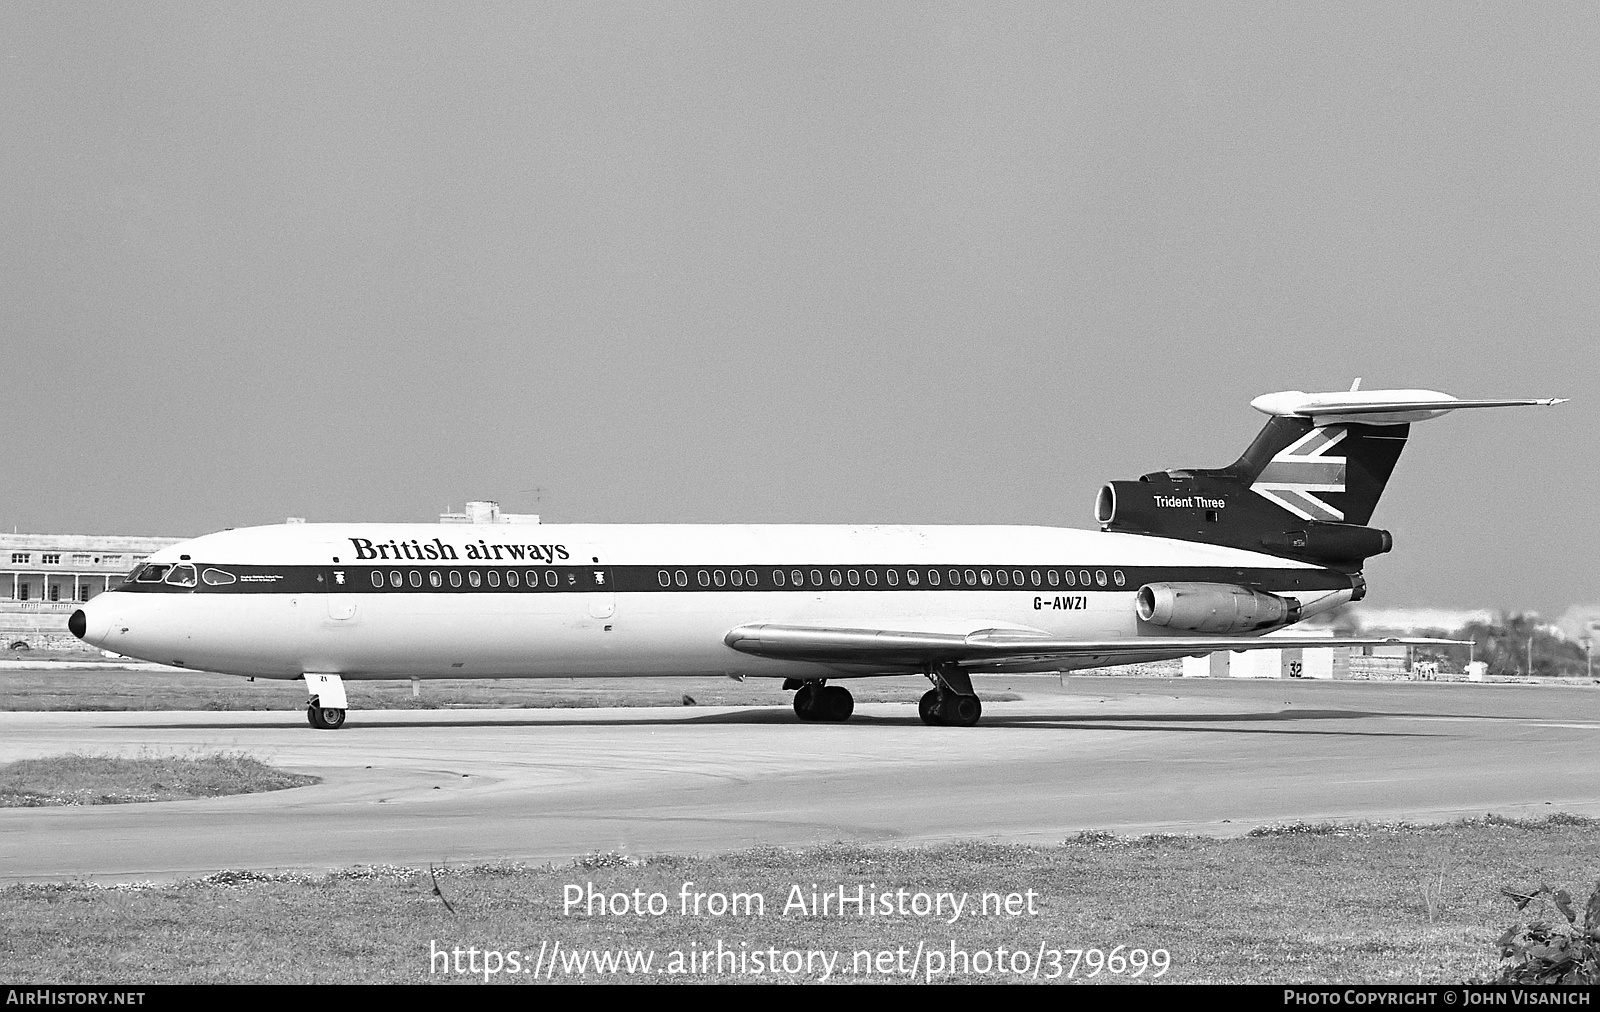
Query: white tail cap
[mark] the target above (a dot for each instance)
(1377, 407)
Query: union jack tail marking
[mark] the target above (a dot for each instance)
(1303, 468)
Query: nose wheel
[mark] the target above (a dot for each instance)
(325, 709)
(326, 718)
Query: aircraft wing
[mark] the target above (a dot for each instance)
(897, 648)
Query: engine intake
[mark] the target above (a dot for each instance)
(1213, 607)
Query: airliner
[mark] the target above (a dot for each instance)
(1185, 562)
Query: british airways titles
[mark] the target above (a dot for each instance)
(436, 549)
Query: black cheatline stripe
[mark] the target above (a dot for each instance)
(1125, 579)
(813, 578)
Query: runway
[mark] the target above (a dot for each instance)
(1118, 754)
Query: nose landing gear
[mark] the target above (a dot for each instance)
(326, 707)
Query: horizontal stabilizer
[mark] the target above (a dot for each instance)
(898, 648)
(1378, 407)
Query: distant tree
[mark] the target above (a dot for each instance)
(1503, 646)
(1445, 656)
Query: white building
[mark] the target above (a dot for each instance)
(484, 511)
(1293, 662)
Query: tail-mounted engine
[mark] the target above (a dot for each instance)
(1213, 607)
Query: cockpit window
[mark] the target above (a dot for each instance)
(218, 578)
(182, 576)
(150, 573)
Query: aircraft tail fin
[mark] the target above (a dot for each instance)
(1305, 487)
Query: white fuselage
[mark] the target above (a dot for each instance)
(649, 600)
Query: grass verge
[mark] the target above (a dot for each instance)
(1344, 904)
(75, 779)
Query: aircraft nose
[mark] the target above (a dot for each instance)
(91, 623)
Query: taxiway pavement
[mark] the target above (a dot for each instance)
(1123, 755)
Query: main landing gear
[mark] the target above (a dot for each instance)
(951, 702)
(325, 709)
(817, 701)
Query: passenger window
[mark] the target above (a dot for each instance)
(455, 577)
(550, 579)
(892, 578)
(955, 577)
(1083, 577)
(681, 578)
(750, 577)
(704, 578)
(797, 578)
(816, 577)
(1051, 575)
(872, 577)
(1119, 578)
(435, 579)
(718, 577)
(474, 578)
(377, 578)
(416, 578)
(664, 578)
(777, 577)
(972, 579)
(511, 578)
(1001, 578)
(833, 577)
(1100, 577)
(933, 577)
(736, 578)
(854, 578)
(1016, 577)
(395, 579)
(984, 578)
(1072, 581)
(217, 578)
(493, 576)
(532, 576)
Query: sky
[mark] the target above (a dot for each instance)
(820, 262)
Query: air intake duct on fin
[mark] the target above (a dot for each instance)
(1213, 607)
